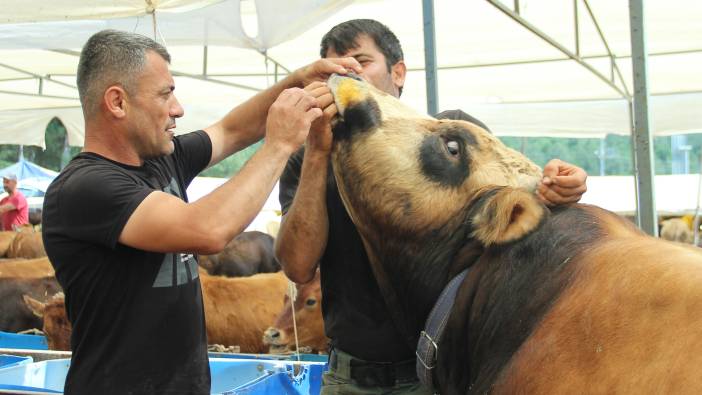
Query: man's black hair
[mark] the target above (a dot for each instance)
(342, 38)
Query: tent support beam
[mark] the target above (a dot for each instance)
(534, 61)
(612, 58)
(214, 81)
(430, 57)
(203, 77)
(548, 39)
(37, 95)
(642, 143)
(37, 76)
(278, 64)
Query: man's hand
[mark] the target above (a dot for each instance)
(290, 117)
(562, 183)
(321, 69)
(320, 137)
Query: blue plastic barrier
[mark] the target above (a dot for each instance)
(26, 342)
(7, 361)
(229, 376)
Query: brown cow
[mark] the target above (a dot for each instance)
(6, 237)
(26, 268)
(237, 310)
(563, 300)
(15, 316)
(27, 244)
(308, 317)
(57, 328)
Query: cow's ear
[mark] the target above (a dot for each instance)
(36, 306)
(506, 215)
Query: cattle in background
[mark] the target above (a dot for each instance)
(26, 268)
(676, 229)
(560, 300)
(35, 217)
(237, 310)
(6, 237)
(56, 326)
(26, 244)
(247, 254)
(308, 315)
(15, 316)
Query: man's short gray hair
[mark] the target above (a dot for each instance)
(112, 57)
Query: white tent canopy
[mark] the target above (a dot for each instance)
(489, 66)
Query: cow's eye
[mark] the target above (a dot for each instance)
(310, 302)
(452, 147)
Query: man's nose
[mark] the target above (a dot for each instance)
(176, 109)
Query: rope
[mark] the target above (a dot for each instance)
(292, 294)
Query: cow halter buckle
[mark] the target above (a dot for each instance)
(431, 354)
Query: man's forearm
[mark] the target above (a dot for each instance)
(304, 230)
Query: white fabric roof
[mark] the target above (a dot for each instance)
(538, 93)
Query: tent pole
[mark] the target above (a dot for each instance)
(430, 57)
(642, 142)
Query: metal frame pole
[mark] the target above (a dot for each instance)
(430, 57)
(642, 143)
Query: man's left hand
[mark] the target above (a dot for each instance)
(323, 68)
(563, 183)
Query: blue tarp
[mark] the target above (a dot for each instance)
(25, 169)
(30, 176)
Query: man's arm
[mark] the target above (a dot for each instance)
(7, 207)
(563, 183)
(164, 223)
(245, 124)
(304, 229)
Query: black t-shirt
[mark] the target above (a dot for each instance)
(137, 316)
(356, 318)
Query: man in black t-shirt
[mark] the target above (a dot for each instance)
(369, 355)
(119, 230)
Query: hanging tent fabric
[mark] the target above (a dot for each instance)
(489, 66)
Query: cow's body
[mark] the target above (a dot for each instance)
(237, 311)
(6, 237)
(26, 268)
(26, 244)
(247, 254)
(573, 299)
(308, 319)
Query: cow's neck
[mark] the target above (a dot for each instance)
(414, 269)
(506, 294)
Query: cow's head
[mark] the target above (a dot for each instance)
(57, 328)
(412, 175)
(281, 337)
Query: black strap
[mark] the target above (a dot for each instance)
(427, 346)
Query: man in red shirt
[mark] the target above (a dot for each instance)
(13, 208)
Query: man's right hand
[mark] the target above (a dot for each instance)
(320, 136)
(289, 119)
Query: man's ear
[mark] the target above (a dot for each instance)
(399, 72)
(114, 100)
(506, 215)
